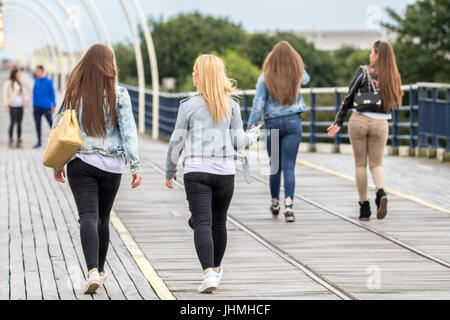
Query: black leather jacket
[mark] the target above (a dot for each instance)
(360, 82)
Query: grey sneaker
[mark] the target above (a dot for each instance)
(209, 283)
(93, 283)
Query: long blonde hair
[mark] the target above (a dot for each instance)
(215, 86)
(283, 73)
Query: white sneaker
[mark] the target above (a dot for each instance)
(209, 283)
(219, 276)
(93, 283)
(103, 278)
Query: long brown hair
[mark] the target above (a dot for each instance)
(93, 84)
(13, 78)
(283, 73)
(388, 76)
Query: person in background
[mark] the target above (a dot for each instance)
(209, 129)
(15, 100)
(44, 101)
(369, 128)
(278, 100)
(110, 141)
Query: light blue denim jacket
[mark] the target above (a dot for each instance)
(122, 141)
(264, 106)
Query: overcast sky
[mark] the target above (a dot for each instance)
(254, 15)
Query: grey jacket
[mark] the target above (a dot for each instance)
(199, 136)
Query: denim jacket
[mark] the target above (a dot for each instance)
(122, 141)
(264, 106)
(199, 136)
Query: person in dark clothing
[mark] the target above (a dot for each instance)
(44, 101)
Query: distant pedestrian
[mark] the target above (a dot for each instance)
(374, 92)
(279, 102)
(44, 101)
(15, 100)
(110, 141)
(209, 129)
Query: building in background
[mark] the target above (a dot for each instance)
(334, 40)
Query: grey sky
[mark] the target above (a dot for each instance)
(260, 15)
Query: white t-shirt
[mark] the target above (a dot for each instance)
(376, 116)
(19, 99)
(108, 164)
(218, 166)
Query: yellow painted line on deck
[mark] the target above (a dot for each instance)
(393, 192)
(158, 285)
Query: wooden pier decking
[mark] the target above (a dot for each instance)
(326, 254)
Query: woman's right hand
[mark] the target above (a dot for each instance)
(7, 109)
(60, 175)
(333, 130)
(169, 182)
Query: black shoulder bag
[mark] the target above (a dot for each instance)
(370, 101)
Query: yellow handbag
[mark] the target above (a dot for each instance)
(64, 141)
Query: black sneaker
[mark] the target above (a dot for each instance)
(275, 212)
(381, 202)
(365, 212)
(37, 146)
(289, 215)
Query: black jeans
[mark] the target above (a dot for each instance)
(94, 191)
(38, 113)
(209, 198)
(16, 115)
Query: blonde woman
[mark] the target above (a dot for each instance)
(368, 127)
(209, 130)
(15, 99)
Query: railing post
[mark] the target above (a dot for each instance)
(394, 147)
(246, 111)
(435, 143)
(413, 119)
(312, 141)
(337, 139)
(447, 117)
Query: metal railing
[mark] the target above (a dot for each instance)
(423, 121)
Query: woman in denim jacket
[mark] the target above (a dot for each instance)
(109, 135)
(279, 102)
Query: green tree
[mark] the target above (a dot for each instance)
(126, 63)
(423, 42)
(179, 40)
(238, 67)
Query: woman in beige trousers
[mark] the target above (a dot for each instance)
(374, 92)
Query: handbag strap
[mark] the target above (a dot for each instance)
(370, 80)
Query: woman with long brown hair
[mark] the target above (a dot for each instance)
(279, 102)
(109, 135)
(15, 99)
(380, 86)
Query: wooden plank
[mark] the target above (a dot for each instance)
(17, 278)
(4, 227)
(32, 279)
(46, 271)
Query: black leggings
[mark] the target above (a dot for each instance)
(94, 191)
(16, 115)
(209, 198)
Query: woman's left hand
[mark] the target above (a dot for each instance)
(60, 175)
(137, 180)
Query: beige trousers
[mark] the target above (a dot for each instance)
(368, 138)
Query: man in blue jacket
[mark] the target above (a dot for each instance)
(44, 101)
